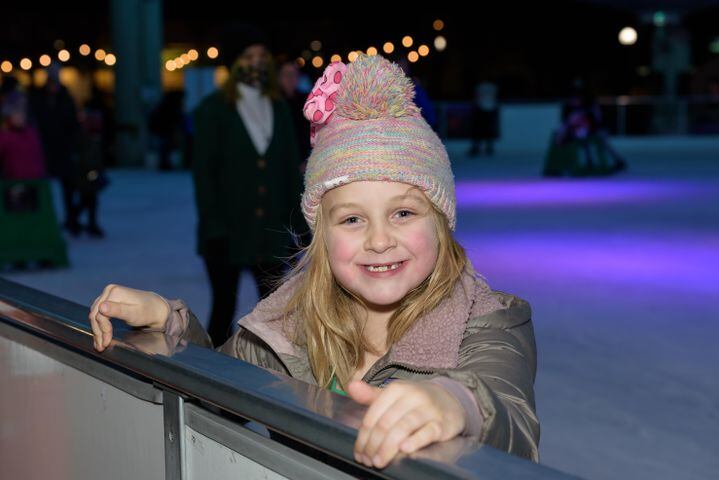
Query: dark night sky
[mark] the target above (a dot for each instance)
(533, 50)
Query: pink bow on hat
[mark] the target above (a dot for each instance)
(320, 104)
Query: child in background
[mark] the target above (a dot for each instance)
(21, 155)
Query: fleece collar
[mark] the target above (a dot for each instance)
(431, 343)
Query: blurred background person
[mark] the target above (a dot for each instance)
(247, 176)
(90, 177)
(21, 155)
(485, 119)
(167, 124)
(288, 78)
(582, 128)
(55, 115)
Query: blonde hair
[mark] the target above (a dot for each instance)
(332, 318)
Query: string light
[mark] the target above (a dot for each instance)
(317, 61)
(440, 43)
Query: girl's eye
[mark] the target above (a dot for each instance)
(348, 220)
(405, 213)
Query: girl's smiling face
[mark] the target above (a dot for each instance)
(381, 240)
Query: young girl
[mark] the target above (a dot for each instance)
(383, 292)
(21, 155)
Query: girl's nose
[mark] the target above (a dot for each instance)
(379, 238)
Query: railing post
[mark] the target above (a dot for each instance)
(173, 412)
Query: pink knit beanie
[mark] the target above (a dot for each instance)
(366, 126)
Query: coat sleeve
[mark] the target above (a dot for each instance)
(497, 363)
(244, 345)
(206, 171)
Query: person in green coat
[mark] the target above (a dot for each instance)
(246, 176)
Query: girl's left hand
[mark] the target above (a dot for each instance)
(403, 417)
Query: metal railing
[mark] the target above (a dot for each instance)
(210, 410)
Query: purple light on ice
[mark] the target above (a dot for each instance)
(688, 262)
(563, 192)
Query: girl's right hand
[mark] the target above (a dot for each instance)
(137, 308)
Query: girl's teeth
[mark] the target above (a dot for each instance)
(383, 268)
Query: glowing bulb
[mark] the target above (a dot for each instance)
(170, 65)
(628, 36)
(388, 47)
(84, 50)
(63, 55)
(316, 45)
(100, 54)
(336, 58)
(317, 61)
(6, 67)
(423, 50)
(193, 54)
(45, 60)
(440, 43)
(26, 64)
(352, 56)
(110, 60)
(407, 41)
(438, 25)
(300, 62)
(371, 51)
(413, 56)
(212, 52)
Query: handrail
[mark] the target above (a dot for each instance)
(313, 416)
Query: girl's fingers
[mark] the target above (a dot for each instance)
(94, 308)
(362, 392)
(121, 311)
(374, 412)
(105, 329)
(370, 438)
(96, 334)
(106, 292)
(101, 311)
(387, 443)
(429, 433)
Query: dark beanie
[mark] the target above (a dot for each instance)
(235, 38)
